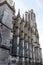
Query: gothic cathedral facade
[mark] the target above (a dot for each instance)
(19, 37)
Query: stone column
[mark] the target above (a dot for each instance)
(26, 44)
(30, 44)
(26, 49)
(37, 55)
(33, 54)
(40, 53)
(26, 17)
(23, 61)
(15, 41)
(21, 44)
(16, 38)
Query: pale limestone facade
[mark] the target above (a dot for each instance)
(19, 37)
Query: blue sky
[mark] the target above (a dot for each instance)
(37, 6)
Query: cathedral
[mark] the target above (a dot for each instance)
(19, 37)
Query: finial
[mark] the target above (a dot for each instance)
(18, 13)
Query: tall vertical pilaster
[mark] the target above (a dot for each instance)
(22, 41)
(26, 44)
(16, 38)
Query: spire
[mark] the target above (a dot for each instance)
(26, 16)
(18, 13)
(23, 18)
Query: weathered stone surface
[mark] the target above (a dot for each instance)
(4, 54)
(9, 1)
(23, 40)
(7, 20)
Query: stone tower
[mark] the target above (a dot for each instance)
(6, 13)
(6, 26)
